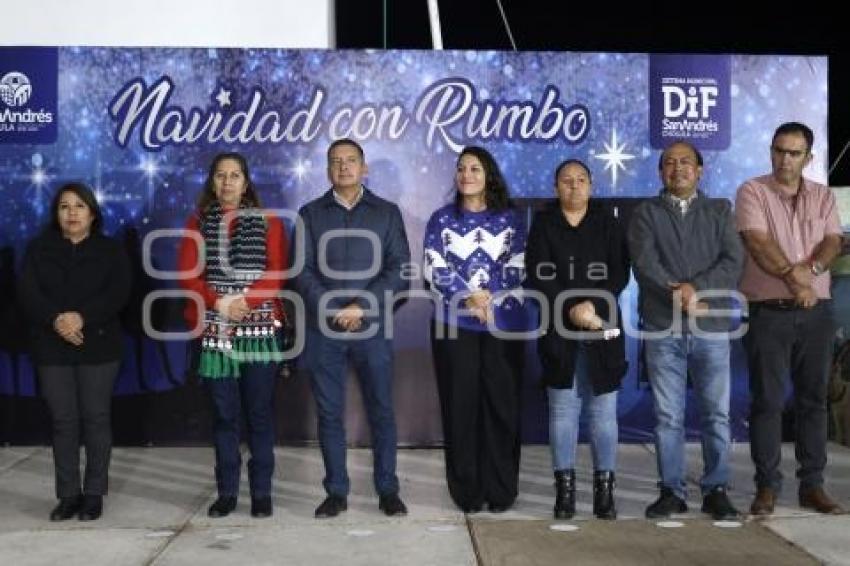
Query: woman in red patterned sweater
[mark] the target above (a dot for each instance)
(233, 257)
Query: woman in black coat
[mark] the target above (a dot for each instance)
(73, 283)
(576, 250)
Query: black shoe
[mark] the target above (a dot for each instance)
(67, 508)
(666, 504)
(222, 506)
(391, 504)
(498, 507)
(261, 507)
(716, 503)
(92, 508)
(332, 506)
(603, 495)
(471, 509)
(565, 494)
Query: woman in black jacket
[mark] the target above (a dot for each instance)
(576, 250)
(73, 283)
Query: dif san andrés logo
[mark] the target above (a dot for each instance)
(28, 85)
(690, 100)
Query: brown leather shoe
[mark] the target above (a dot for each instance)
(763, 502)
(816, 498)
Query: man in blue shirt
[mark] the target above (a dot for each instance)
(354, 248)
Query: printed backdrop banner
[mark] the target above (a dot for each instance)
(141, 126)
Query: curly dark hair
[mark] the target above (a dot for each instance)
(496, 193)
(208, 197)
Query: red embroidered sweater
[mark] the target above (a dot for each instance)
(277, 249)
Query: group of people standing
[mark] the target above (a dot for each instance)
(690, 254)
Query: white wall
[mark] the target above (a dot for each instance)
(175, 23)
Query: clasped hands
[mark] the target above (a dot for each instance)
(349, 318)
(69, 325)
(480, 304)
(799, 280)
(686, 294)
(232, 307)
(583, 315)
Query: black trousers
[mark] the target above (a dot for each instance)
(79, 398)
(478, 379)
(779, 343)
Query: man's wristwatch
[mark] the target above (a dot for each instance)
(817, 268)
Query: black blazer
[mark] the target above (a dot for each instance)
(592, 255)
(92, 278)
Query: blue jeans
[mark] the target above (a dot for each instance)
(327, 359)
(253, 394)
(565, 408)
(669, 360)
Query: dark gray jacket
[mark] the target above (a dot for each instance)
(701, 248)
(351, 252)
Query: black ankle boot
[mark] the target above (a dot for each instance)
(565, 494)
(67, 508)
(92, 508)
(603, 495)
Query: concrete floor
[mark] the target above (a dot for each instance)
(156, 514)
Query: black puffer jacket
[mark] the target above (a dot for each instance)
(91, 278)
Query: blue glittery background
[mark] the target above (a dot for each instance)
(141, 190)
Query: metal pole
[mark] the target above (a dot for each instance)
(434, 20)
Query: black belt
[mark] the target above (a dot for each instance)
(778, 304)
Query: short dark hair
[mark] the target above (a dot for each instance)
(207, 197)
(578, 162)
(496, 193)
(346, 141)
(795, 128)
(688, 144)
(86, 195)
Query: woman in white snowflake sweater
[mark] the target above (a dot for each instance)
(474, 261)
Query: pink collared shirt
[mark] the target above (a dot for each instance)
(761, 204)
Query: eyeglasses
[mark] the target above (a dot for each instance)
(793, 153)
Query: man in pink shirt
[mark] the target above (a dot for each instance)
(791, 231)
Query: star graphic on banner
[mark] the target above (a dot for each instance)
(300, 169)
(614, 156)
(223, 97)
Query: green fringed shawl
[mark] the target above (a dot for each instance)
(217, 364)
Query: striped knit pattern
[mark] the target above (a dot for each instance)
(225, 344)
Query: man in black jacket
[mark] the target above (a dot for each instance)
(682, 244)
